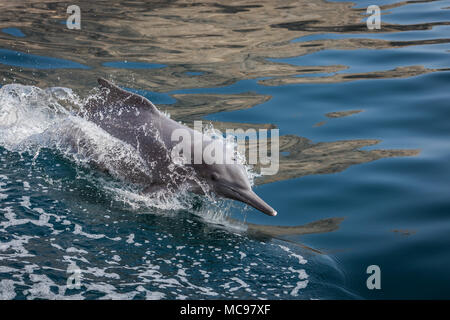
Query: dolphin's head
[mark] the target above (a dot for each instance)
(231, 181)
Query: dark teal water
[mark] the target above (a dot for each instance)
(54, 212)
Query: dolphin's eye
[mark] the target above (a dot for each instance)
(214, 177)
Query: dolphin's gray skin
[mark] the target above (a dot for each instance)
(136, 121)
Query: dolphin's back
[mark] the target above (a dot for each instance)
(127, 115)
(115, 97)
(136, 121)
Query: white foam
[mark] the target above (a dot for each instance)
(130, 238)
(7, 290)
(301, 260)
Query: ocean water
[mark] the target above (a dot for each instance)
(365, 151)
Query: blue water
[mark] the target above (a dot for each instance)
(26, 60)
(191, 73)
(395, 211)
(133, 65)
(13, 32)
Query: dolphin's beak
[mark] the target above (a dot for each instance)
(251, 198)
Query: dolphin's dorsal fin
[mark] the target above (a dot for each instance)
(118, 96)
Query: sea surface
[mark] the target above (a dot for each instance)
(364, 171)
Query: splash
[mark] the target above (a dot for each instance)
(26, 111)
(32, 119)
(230, 143)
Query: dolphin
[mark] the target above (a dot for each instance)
(134, 120)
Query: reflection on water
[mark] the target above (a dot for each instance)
(25, 60)
(306, 158)
(226, 43)
(311, 69)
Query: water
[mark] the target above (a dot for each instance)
(364, 171)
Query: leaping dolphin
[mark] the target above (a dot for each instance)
(136, 121)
